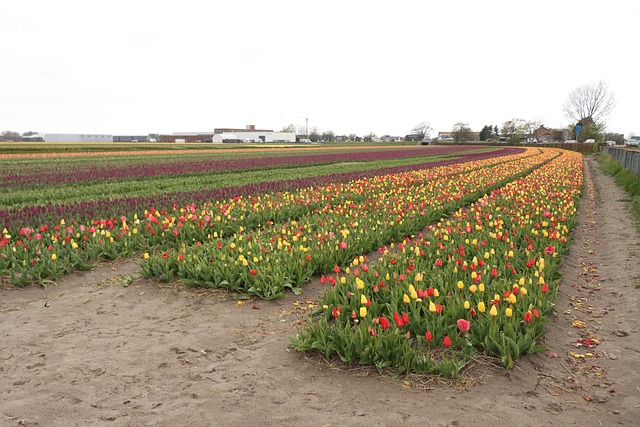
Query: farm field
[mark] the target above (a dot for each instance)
(411, 262)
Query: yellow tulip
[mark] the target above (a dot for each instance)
(481, 307)
(508, 312)
(493, 311)
(467, 305)
(406, 299)
(432, 307)
(363, 311)
(513, 298)
(481, 287)
(460, 284)
(54, 257)
(359, 283)
(146, 255)
(473, 289)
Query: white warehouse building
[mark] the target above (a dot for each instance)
(254, 136)
(77, 137)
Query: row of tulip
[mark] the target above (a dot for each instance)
(14, 218)
(267, 260)
(483, 280)
(46, 252)
(31, 175)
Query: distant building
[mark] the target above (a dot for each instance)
(542, 134)
(449, 136)
(445, 136)
(389, 138)
(248, 128)
(36, 137)
(129, 138)
(251, 134)
(413, 137)
(257, 136)
(186, 137)
(77, 137)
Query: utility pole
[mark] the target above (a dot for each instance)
(307, 127)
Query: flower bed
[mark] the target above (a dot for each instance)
(483, 280)
(44, 252)
(352, 220)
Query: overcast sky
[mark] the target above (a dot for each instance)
(139, 67)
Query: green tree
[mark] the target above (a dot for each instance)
(590, 130)
(485, 133)
(314, 134)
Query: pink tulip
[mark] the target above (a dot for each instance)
(464, 325)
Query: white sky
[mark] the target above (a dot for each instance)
(139, 67)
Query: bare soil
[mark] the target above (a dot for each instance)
(98, 350)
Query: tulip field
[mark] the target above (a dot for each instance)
(466, 239)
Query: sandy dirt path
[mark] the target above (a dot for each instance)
(98, 350)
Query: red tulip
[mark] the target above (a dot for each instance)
(336, 311)
(447, 341)
(428, 336)
(545, 288)
(405, 318)
(398, 320)
(384, 323)
(253, 272)
(528, 317)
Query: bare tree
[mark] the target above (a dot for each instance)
(461, 132)
(591, 102)
(513, 129)
(328, 136)
(423, 129)
(530, 127)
